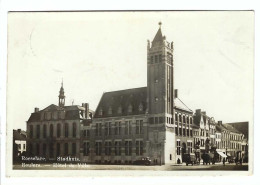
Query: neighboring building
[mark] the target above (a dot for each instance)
(19, 143)
(56, 130)
(243, 128)
(207, 129)
(235, 141)
(183, 128)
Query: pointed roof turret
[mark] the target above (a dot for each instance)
(158, 37)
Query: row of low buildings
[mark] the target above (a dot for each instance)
(130, 124)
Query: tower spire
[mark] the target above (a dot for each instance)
(61, 95)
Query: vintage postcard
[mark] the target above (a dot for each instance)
(150, 92)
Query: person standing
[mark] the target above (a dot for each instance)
(224, 161)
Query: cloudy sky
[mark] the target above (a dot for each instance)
(96, 52)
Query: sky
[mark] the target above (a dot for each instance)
(97, 52)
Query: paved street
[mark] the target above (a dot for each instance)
(83, 166)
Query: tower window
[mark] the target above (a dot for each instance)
(156, 58)
(151, 59)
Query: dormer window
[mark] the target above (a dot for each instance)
(141, 107)
(100, 112)
(119, 111)
(130, 108)
(109, 110)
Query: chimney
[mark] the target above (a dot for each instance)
(19, 130)
(198, 111)
(36, 109)
(176, 93)
(86, 110)
(219, 122)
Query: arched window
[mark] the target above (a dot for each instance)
(184, 119)
(51, 130)
(130, 108)
(119, 111)
(180, 118)
(190, 120)
(66, 130)
(58, 130)
(110, 110)
(141, 107)
(74, 129)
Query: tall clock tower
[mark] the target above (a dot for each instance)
(160, 76)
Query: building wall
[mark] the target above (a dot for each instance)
(36, 144)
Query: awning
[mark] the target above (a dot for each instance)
(222, 154)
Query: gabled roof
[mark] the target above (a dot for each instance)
(178, 104)
(19, 136)
(122, 99)
(158, 37)
(71, 112)
(231, 128)
(241, 127)
(52, 107)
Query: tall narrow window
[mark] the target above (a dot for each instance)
(128, 148)
(31, 131)
(58, 149)
(51, 150)
(139, 126)
(38, 131)
(44, 131)
(58, 130)
(108, 128)
(66, 149)
(117, 128)
(66, 130)
(128, 128)
(74, 129)
(86, 148)
(178, 147)
(98, 148)
(51, 130)
(44, 149)
(74, 148)
(98, 129)
(117, 147)
(139, 147)
(37, 149)
(108, 148)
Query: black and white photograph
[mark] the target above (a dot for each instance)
(119, 91)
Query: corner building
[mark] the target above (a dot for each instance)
(140, 122)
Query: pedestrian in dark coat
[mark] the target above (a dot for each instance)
(224, 160)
